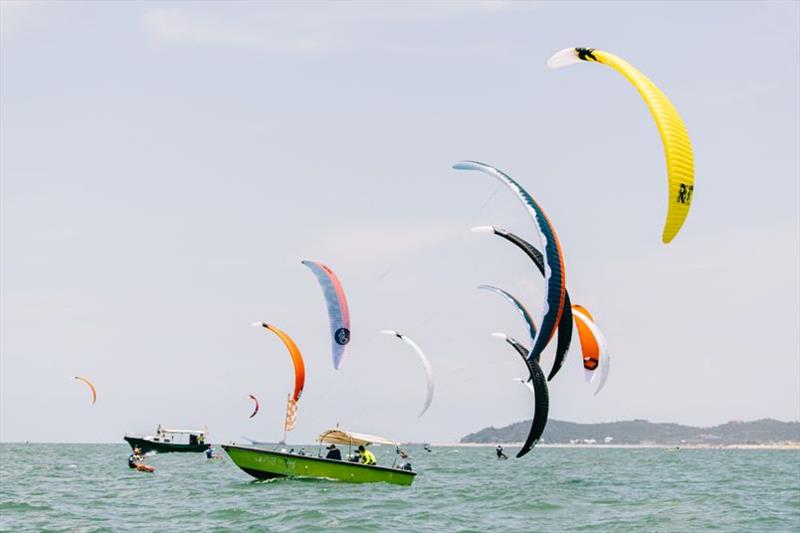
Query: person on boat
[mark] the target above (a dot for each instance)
(333, 453)
(500, 454)
(367, 457)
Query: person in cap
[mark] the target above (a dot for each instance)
(367, 457)
(356, 457)
(333, 453)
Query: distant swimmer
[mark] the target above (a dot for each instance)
(500, 454)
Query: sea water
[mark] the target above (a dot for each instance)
(89, 487)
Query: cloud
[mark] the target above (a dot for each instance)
(177, 25)
(261, 30)
(15, 16)
(364, 249)
(289, 28)
(395, 240)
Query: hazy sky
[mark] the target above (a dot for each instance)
(166, 166)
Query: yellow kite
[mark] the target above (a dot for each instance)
(677, 147)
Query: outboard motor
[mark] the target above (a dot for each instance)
(405, 466)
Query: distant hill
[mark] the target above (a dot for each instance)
(763, 431)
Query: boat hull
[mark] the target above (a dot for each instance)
(164, 447)
(268, 464)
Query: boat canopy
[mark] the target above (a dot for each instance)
(340, 436)
(184, 431)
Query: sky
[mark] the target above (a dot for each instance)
(165, 167)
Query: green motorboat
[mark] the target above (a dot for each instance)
(267, 464)
(170, 440)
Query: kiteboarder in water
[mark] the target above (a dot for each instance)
(500, 454)
(135, 461)
(135, 458)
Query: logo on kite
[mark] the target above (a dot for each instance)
(685, 194)
(342, 336)
(586, 54)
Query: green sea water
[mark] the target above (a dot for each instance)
(86, 487)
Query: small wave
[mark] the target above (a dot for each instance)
(231, 513)
(23, 506)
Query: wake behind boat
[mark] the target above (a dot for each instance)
(267, 464)
(170, 440)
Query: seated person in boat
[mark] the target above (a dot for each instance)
(367, 457)
(333, 453)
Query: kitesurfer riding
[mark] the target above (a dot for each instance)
(500, 454)
(135, 458)
(367, 457)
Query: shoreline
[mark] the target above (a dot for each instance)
(770, 446)
(764, 446)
